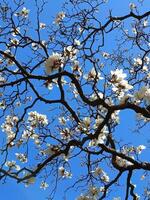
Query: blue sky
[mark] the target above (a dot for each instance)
(12, 190)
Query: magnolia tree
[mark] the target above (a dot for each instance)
(64, 86)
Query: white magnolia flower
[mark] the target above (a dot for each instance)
(97, 171)
(8, 128)
(35, 46)
(137, 61)
(2, 79)
(117, 76)
(145, 23)
(147, 96)
(94, 191)
(134, 30)
(15, 31)
(42, 25)
(120, 85)
(62, 120)
(121, 162)
(143, 177)
(95, 96)
(63, 173)
(36, 119)
(50, 150)
(29, 181)
(2, 105)
(12, 165)
(115, 117)
(14, 41)
(93, 75)
(98, 121)
(147, 60)
(101, 138)
(105, 55)
(21, 157)
(83, 197)
(143, 93)
(60, 16)
(54, 62)
(70, 53)
(145, 68)
(86, 121)
(24, 12)
(27, 134)
(105, 177)
(66, 134)
(77, 42)
(76, 68)
(125, 98)
(132, 6)
(44, 185)
(140, 148)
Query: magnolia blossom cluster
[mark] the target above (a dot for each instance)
(64, 173)
(120, 85)
(23, 13)
(12, 165)
(127, 151)
(60, 16)
(37, 45)
(50, 149)
(9, 61)
(137, 61)
(8, 127)
(92, 194)
(50, 84)
(122, 162)
(132, 149)
(35, 119)
(101, 138)
(70, 53)
(93, 75)
(84, 125)
(115, 117)
(77, 69)
(143, 94)
(95, 96)
(103, 175)
(56, 60)
(142, 62)
(29, 133)
(98, 121)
